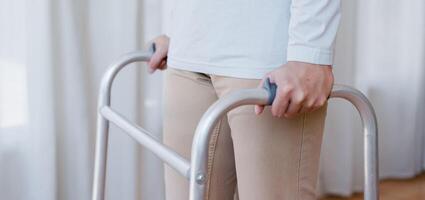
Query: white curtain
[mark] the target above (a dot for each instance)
(53, 53)
(381, 51)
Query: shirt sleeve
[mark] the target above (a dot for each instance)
(312, 29)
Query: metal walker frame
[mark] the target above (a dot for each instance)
(196, 170)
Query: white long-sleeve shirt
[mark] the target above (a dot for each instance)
(249, 38)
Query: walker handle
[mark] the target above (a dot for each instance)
(271, 89)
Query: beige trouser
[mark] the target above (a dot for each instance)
(271, 158)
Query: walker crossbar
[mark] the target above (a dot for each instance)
(196, 170)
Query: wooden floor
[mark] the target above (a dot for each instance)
(412, 189)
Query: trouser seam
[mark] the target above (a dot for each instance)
(300, 158)
(211, 151)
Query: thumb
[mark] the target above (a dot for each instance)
(156, 60)
(258, 109)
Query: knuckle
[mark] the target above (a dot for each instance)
(301, 96)
(320, 102)
(287, 88)
(310, 104)
(297, 101)
(316, 106)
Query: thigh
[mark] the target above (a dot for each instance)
(187, 95)
(276, 158)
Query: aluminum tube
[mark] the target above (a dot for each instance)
(104, 99)
(370, 137)
(199, 155)
(260, 96)
(142, 136)
(208, 121)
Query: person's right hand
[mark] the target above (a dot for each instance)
(159, 57)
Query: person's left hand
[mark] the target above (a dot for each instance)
(301, 87)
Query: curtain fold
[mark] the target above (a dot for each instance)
(69, 46)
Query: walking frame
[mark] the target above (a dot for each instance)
(196, 170)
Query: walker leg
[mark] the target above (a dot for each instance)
(101, 152)
(102, 132)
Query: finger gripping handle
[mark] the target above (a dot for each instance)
(271, 89)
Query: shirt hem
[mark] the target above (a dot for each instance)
(220, 70)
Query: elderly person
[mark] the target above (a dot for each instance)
(218, 46)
